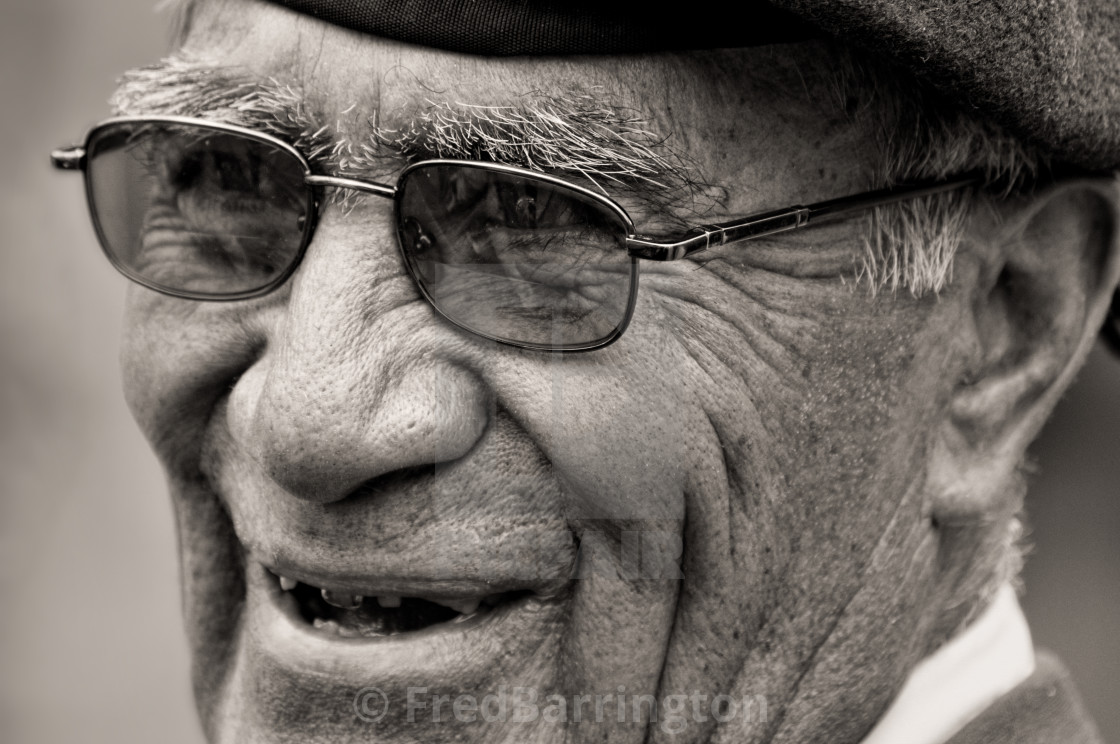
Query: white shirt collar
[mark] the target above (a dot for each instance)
(957, 682)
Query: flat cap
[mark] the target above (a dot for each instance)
(1047, 70)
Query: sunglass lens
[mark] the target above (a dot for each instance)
(516, 258)
(196, 211)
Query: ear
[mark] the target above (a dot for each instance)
(1048, 266)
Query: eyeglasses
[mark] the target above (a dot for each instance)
(209, 211)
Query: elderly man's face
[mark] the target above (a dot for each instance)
(729, 500)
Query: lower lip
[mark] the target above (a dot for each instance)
(280, 632)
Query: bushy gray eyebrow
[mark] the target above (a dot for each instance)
(179, 86)
(571, 133)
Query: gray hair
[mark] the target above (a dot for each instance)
(921, 136)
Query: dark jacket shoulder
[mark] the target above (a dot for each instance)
(1044, 709)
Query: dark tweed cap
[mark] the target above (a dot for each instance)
(1047, 70)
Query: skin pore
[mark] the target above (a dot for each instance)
(775, 438)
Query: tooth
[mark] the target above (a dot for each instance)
(389, 600)
(347, 632)
(342, 601)
(464, 606)
(287, 584)
(328, 625)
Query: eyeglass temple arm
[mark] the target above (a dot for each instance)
(781, 220)
(69, 158)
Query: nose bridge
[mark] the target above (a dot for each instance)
(355, 383)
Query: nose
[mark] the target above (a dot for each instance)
(359, 378)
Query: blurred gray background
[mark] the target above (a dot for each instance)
(91, 647)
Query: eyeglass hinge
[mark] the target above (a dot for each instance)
(653, 250)
(69, 158)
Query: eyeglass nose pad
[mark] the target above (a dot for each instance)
(418, 246)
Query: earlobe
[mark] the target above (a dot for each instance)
(1048, 268)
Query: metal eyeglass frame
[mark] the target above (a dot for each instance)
(694, 240)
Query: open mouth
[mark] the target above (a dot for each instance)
(324, 634)
(357, 616)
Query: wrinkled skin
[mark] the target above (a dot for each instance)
(772, 424)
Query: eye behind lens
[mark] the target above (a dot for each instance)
(517, 257)
(197, 211)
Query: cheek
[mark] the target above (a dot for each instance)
(617, 425)
(178, 358)
(822, 395)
